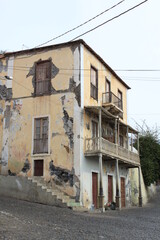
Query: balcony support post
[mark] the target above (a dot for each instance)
(118, 134)
(138, 142)
(101, 196)
(127, 138)
(117, 185)
(140, 190)
(100, 129)
(115, 127)
(131, 142)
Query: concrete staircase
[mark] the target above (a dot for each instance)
(64, 199)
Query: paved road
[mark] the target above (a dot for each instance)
(23, 220)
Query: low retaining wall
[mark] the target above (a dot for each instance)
(22, 188)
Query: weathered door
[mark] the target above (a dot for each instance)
(38, 168)
(110, 188)
(95, 189)
(123, 197)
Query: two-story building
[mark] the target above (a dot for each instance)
(63, 116)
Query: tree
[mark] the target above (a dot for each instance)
(149, 147)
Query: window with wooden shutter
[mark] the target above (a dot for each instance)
(43, 78)
(41, 135)
(94, 83)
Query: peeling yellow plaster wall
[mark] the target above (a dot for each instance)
(103, 73)
(24, 110)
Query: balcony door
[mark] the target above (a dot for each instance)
(108, 90)
(95, 134)
(108, 85)
(94, 129)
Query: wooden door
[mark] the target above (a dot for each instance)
(123, 195)
(95, 189)
(38, 168)
(110, 188)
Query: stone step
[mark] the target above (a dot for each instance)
(56, 192)
(67, 200)
(73, 204)
(79, 209)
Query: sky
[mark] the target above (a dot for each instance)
(130, 42)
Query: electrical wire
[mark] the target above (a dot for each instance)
(82, 24)
(111, 19)
(31, 90)
(88, 69)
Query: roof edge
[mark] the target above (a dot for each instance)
(65, 44)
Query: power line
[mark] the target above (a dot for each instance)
(82, 24)
(111, 19)
(88, 69)
(31, 90)
(137, 70)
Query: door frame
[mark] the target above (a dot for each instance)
(96, 172)
(111, 175)
(121, 176)
(34, 165)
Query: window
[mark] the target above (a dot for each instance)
(108, 85)
(41, 135)
(120, 99)
(94, 83)
(43, 78)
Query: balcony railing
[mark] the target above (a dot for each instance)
(110, 149)
(109, 97)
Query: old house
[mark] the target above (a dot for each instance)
(63, 116)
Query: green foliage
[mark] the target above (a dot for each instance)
(149, 147)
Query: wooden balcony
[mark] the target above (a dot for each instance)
(111, 150)
(112, 103)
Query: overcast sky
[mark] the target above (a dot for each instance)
(131, 41)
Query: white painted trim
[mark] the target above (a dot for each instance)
(10, 72)
(49, 132)
(82, 158)
(40, 155)
(82, 75)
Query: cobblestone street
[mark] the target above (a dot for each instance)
(24, 220)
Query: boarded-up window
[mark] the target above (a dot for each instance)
(94, 83)
(41, 135)
(43, 78)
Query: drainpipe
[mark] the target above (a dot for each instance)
(138, 143)
(127, 138)
(117, 185)
(116, 135)
(101, 197)
(140, 190)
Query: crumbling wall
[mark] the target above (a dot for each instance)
(60, 107)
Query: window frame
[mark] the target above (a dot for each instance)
(42, 140)
(43, 92)
(109, 84)
(94, 88)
